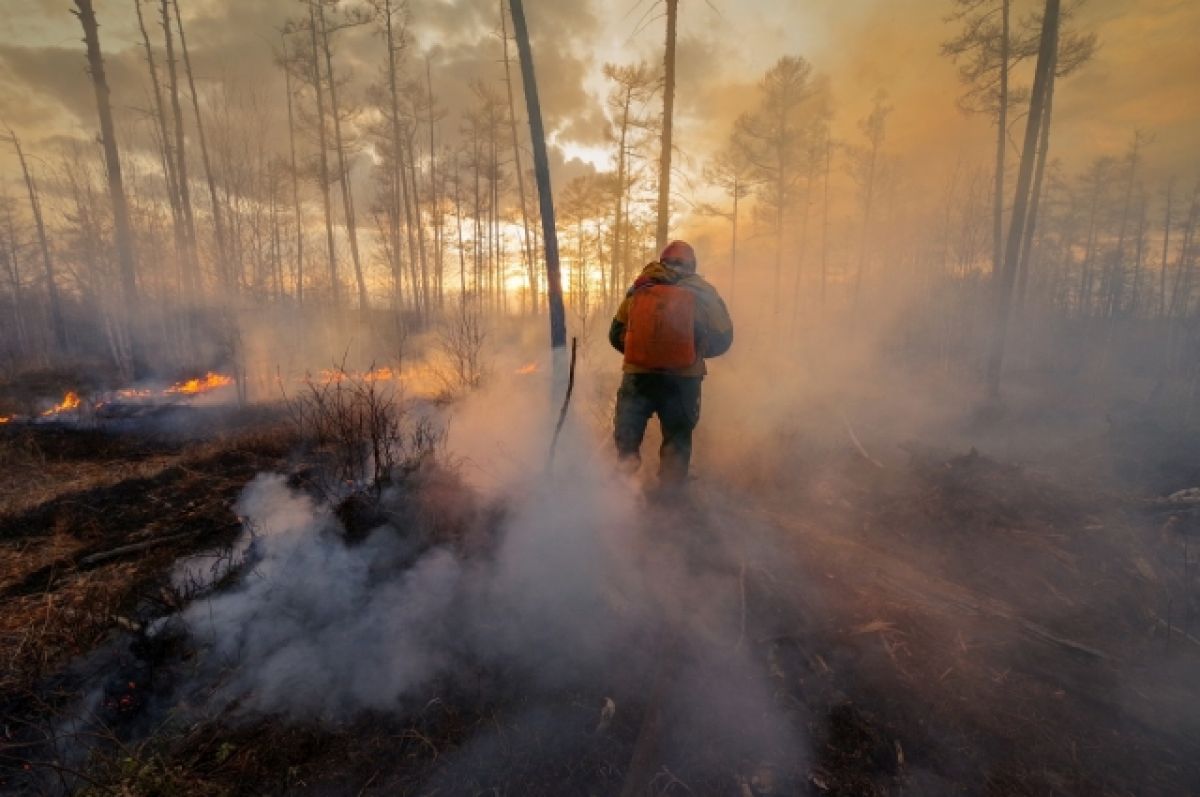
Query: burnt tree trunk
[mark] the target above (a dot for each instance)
(287, 78)
(218, 224)
(1043, 79)
(1001, 144)
(57, 326)
(527, 243)
(343, 168)
(664, 163)
(1035, 200)
(541, 169)
(191, 263)
(126, 262)
(323, 161)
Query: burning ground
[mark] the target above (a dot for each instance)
(833, 614)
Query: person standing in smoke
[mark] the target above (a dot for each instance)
(670, 320)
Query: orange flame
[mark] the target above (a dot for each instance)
(330, 376)
(527, 368)
(192, 387)
(69, 402)
(5, 418)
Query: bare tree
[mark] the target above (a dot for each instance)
(57, 326)
(668, 124)
(210, 180)
(327, 29)
(1043, 79)
(732, 172)
(541, 166)
(635, 85)
(112, 155)
(527, 242)
(191, 263)
(294, 171)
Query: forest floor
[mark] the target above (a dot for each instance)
(944, 623)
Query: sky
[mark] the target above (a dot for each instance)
(1143, 76)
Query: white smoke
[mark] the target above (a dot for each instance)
(582, 586)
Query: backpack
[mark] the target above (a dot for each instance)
(660, 334)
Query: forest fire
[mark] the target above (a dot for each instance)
(275, 383)
(331, 376)
(69, 402)
(191, 387)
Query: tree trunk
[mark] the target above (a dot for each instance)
(287, 78)
(527, 242)
(1035, 199)
(399, 183)
(1117, 270)
(462, 250)
(323, 172)
(1162, 270)
(191, 263)
(343, 170)
(112, 156)
(825, 218)
(164, 131)
(218, 224)
(1001, 144)
(1139, 257)
(615, 285)
(1043, 79)
(541, 168)
(664, 165)
(58, 327)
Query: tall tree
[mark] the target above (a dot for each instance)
(668, 124)
(866, 173)
(527, 242)
(731, 172)
(164, 132)
(294, 170)
(210, 180)
(112, 157)
(541, 169)
(57, 325)
(635, 85)
(339, 143)
(191, 262)
(1043, 79)
(772, 138)
(322, 151)
(1072, 52)
(986, 52)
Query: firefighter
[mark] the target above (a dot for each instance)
(670, 320)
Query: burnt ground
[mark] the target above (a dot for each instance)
(946, 623)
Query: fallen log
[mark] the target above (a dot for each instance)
(91, 560)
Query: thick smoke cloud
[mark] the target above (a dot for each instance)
(584, 588)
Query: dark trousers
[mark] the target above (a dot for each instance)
(676, 402)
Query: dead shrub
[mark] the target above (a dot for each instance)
(461, 339)
(364, 424)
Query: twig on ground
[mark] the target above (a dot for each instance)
(858, 445)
